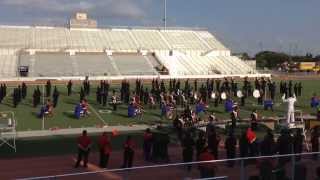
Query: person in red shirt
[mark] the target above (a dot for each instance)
(84, 145)
(105, 149)
(147, 144)
(128, 152)
(253, 147)
(207, 170)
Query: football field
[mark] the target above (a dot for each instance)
(26, 115)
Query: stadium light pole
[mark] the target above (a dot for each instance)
(165, 15)
(43, 106)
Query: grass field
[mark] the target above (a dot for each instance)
(25, 114)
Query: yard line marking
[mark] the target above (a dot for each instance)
(97, 114)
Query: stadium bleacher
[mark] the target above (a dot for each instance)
(182, 52)
(134, 65)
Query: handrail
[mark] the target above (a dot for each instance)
(166, 165)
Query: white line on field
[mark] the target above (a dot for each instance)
(94, 111)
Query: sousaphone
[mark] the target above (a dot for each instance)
(239, 94)
(256, 94)
(223, 96)
(213, 95)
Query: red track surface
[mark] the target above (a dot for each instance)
(53, 165)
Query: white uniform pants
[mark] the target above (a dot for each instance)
(290, 117)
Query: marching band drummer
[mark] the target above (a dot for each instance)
(201, 107)
(314, 101)
(228, 106)
(46, 110)
(84, 105)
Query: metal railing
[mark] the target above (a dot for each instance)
(242, 173)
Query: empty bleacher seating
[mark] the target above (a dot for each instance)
(195, 52)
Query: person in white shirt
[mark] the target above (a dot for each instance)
(291, 101)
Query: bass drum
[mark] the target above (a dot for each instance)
(256, 93)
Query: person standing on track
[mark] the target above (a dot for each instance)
(207, 170)
(128, 153)
(84, 145)
(147, 144)
(105, 150)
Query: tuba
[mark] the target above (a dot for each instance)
(239, 94)
(213, 95)
(256, 94)
(195, 96)
(223, 96)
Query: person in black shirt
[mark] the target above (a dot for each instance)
(213, 144)
(48, 88)
(234, 117)
(243, 145)
(230, 145)
(284, 146)
(200, 143)
(69, 87)
(82, 94)
(23, 90)
(254, 120)
(298, 143)
(55, 96)
(267, 145)
(187, 152)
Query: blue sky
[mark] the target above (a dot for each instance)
(291, 26)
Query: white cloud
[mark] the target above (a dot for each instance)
(132, 9)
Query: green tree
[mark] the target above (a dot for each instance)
(270, 59)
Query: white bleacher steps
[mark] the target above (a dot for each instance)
(75, 68)
(114, 65)
(150, 64)
(31, 66)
